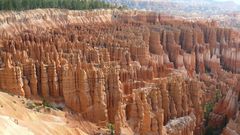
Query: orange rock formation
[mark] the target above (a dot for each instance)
(141, 71)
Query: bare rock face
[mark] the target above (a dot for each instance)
(231, 59)
(232, 127)
(185, 128)
(26, 89)
(155, 46)
(11, 77)
(227, 109)
(143, 72)
(187, 40)
(44, 81)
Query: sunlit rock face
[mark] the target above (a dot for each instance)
(143, 72)
(232, 127)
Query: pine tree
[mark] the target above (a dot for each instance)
(66, 4)
(1, 5)
(25, 4)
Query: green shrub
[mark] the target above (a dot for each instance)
(30, 105)
(46, 104)
(218, 95)
(207, 109)
(111, 128)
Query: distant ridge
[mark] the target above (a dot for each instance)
(206, 7)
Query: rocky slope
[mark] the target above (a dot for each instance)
(17, 116)
(143, 72)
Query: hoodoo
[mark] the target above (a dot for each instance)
(139, 72)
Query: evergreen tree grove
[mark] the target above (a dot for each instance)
(65, 4)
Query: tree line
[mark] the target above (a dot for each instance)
(64, 4)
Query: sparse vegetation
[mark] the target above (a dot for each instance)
(217, 130)
(64, 4)
(44, 105)
(30, 105)
(218, 95)
(208, 108)
(111, 128)
(209, 131)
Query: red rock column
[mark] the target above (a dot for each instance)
(44, 81)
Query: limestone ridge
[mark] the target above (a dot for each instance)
(141, 71)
